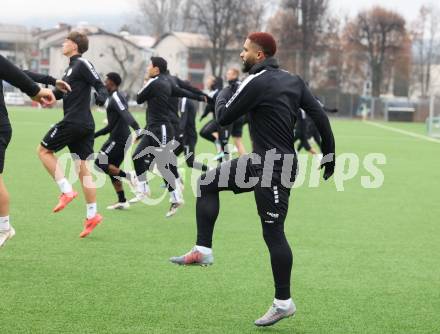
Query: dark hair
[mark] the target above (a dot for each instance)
(79, 39)
(218, 83)
(160, 63)
(265, 41)
(115, 78)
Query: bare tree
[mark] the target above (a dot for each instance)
(129, 72)
(226, 22)
(299, 27)
(381, 34)
(158, 17)
(425, 37)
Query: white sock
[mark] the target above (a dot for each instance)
(64, 185)
(179, 183)
(204, 250)
(143, 187)
(218, 146)
(91, 210)
(4, 223)
(282, 303)
(176, 196)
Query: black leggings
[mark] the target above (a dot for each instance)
(164, 160)
(272, 215)
(188, 147)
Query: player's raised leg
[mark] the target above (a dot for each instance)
(50, 163)
(93, 218)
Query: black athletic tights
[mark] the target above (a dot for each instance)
(207, 209)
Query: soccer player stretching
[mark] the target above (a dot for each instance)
(12, 74)
(271, 97)
(153, 146)
(76, 130)
(112, 152)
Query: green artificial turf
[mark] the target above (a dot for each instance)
(365, 260)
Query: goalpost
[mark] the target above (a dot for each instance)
(433, 121)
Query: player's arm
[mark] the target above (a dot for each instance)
(176, 91)
(46, 79)
(149, 90)
(105, 130)
(122, 110)
(16, 77)
(188, 87)
(90, 75)
(313, 108)
(230, 107)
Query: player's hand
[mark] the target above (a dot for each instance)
(63, 86)
(99, 100)
(45, 97)
(312, 151)
(328, 164)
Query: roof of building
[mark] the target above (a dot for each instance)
(143, 41)
(90, 31)
(190, 40)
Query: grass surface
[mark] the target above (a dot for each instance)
(366, 260)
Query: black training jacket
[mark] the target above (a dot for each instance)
(119, 118)
(180, 88)
(81, 76)
(12, 74)
(156, 92)
(272, 98)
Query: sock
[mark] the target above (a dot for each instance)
(282, 303)
(65, 186)
(176, 196)
(204, 250)
(91, 210)
(143, 187)
(4, 223)
(179, 183)
(218, 145)
(122, 173)
(121, 197)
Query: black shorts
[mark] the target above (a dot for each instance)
(240, 176)
(156, 137)
(5, 138)
(76, 137)
(237, 127)
(114, 150)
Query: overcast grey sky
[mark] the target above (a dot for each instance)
(113, 13)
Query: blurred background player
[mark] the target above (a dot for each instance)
(182, 89)
(112, 152)
(232, 76)
(211, 131)
(76, 129)
(12, 74)
(153, 146)
(188, 139)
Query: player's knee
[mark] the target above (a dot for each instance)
(113, 179)
(101, 165)
(41, 150)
